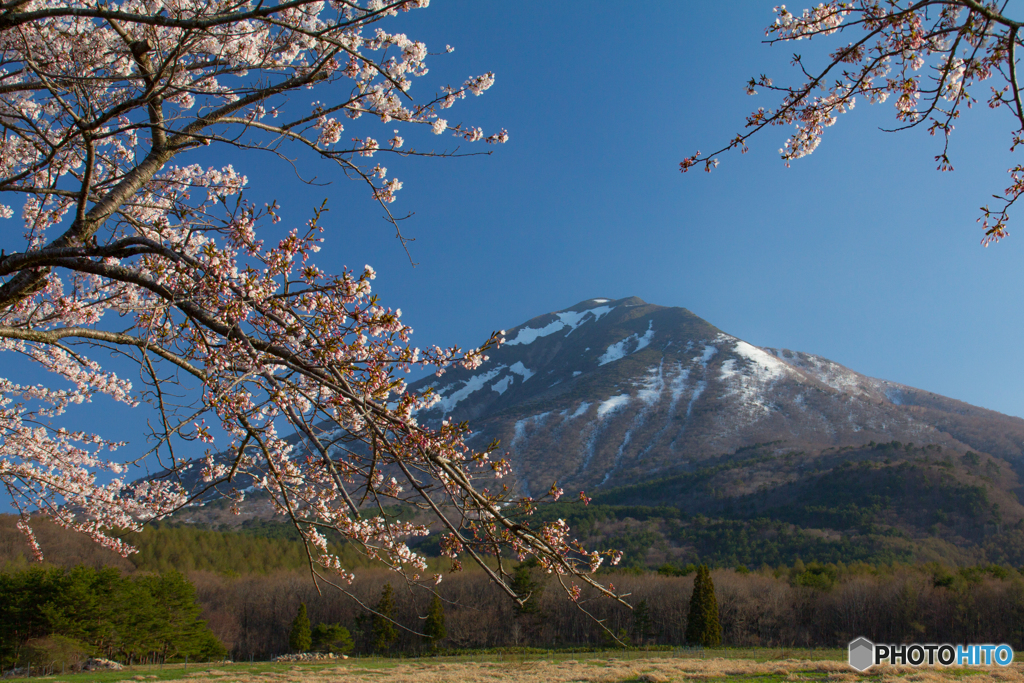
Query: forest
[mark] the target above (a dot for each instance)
(810, 605)
(244, 589)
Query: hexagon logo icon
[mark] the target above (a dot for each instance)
(862, 654)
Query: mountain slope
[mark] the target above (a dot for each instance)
(607, 393)
(696, 445)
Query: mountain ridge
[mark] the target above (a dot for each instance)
(621, 389)
(696, 444)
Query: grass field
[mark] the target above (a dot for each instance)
(712, 666)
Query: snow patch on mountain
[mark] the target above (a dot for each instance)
(645, 340)
(677, 386)
(528, 335)
(612, 405)
(828, 372)
(618, 349)
(598, 426)
(474, 383)
(767, 365)
(570, 319)
(579, 411)
(519, 435)
(617, 463)
(521, 369)
(615, 351)
(709, 351)
(751, 381)
(728, 370)
(698, 389)
(519, 439)
(598, 313)
(590, 444)
(502, 384)
(652, 385)
(702, 384)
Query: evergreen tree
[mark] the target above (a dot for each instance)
(641, 622)
(383, 633)
(702, 627)
(301, 637)
(57, 613)
(525, 587)
(528, 621)
(434, 628)
(332, 638)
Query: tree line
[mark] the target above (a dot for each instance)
(250, 607)
(805, 605)
(54, 612)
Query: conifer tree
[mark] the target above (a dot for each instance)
(641, 622)
(702, 627)
(383, 633)
(434, 628)
(525, 587)
(301, 637)
(53, 614)
(332, 638)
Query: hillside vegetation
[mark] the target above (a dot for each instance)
(879, 503)
(883, 503)
(807, 549)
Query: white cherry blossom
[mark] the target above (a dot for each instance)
(238, 335)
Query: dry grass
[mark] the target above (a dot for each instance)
(614, 670)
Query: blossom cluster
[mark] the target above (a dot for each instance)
(288, 376)
(926, 56)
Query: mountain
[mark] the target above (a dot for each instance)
(611, 393)
(697, 445)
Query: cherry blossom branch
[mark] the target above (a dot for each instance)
(967, 43)
(55, 335)
(237, 333)
(1011, 61)
(9, 19)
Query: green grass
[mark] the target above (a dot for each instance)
(597, 658)
(177, 671)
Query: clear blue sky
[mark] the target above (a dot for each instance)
(862, 253)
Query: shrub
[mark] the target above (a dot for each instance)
(54, 652)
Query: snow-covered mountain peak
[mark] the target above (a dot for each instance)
(612, 391)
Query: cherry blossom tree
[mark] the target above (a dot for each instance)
(929, 56)
(239, 340)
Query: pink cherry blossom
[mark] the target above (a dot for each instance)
(288, 375)
(928, 55)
